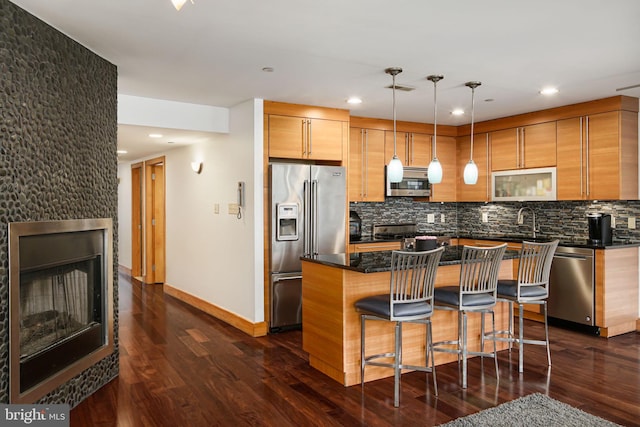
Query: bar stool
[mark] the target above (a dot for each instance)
(475, 292)
(410, 299)
(531, 287)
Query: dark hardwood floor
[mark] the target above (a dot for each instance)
(181, 367)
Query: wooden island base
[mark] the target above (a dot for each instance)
(331, 325)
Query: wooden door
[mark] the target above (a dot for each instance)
(374, 166)
(401, 147)
(504, 149)
(420, 149)
(571, 159)
(154, 221)
(137, 252)
(287, 136)
(603, 144)
(356, 160)
(478, 192)
(324, 139)
(538, 145)
(445, 191)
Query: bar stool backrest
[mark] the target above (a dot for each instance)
(535, 264)
(413, 275)
(479, 269)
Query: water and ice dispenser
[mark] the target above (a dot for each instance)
(287, 221)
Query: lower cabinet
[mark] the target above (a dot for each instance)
(374, 246)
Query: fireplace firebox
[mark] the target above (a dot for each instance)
(60, 302)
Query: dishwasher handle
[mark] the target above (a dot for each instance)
(573, 256)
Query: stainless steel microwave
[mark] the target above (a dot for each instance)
(415, 183)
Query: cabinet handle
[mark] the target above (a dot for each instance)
(406, 149)
(586, 131)
(304, 137)
(522, 142)
(517, 147)
(488, 169)
(410, 137)
(309, 137)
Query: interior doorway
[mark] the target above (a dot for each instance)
(148, 221)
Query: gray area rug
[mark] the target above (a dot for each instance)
(532, 410)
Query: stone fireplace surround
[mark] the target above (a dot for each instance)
(58, 161)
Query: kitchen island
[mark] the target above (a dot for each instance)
(331, 284)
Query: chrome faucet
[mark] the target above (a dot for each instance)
(533, 216)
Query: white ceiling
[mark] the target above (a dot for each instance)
(322, 52)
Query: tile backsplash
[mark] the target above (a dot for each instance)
(562, 219)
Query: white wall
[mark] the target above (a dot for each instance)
(124, 214)
(215, 257)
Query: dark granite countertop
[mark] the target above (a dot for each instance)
(578, 243)
(375, 262)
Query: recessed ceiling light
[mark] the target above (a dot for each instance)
(458, 112)
(155, 135)
(267, 69)
(121, 151)
(549, 91)
(354, 100)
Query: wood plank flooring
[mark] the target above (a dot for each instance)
(181, 367)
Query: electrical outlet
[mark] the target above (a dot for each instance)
(632, 223)
(485, 217)
(233, 209)
(442, 218)
(431, 218)
(216, 208)
(613, 221)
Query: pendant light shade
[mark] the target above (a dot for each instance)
(395, 170)
(179, 3)
(471, 169)
(471, 173)
(434, 172)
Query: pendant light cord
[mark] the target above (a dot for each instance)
(394, 116)
(473, 86)
(435, 119)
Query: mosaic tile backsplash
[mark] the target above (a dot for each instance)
(564, 220)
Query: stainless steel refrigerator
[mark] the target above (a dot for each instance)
(308, 217)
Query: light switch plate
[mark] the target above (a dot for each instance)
(485, 217)
(632, 223)
(613, 221)
(431, 218)
(442, 218)
(216, 208)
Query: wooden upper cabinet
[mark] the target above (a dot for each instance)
(366, 165)
(445, 191)
(292, 137)
(597, 157)
(413, 149)
(530, 146)
(478, 192)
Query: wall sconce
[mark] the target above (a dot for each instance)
(196, 167)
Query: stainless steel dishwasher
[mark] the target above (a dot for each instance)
(572, 285)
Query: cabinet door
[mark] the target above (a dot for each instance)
(571, 160)
(325, 139)
(366, 165)
(504, 149)
(356, 160)
(539, 145)
(402, 140)
(287, 136)
(446, 190)
(480, 191)
(603, 144)
(420, 147)
(374, 165)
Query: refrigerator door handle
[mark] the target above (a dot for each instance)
(307, 232)
(314, 217)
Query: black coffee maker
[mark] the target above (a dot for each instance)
(599, 229)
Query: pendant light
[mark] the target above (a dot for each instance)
(394, 168)
(434, 172)
(179, 3)
(471, 169)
